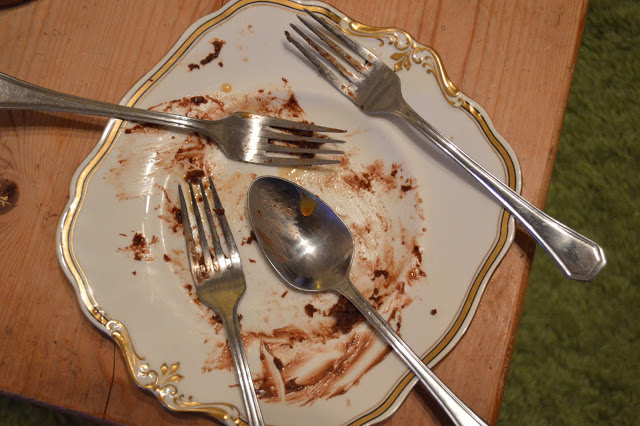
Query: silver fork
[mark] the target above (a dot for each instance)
(375, 88)
(219, 281)
(242, 136)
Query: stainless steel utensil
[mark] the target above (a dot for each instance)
(311, 248)
(219, 281)
(242, 136)
(369, 83)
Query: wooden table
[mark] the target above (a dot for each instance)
(514, 58)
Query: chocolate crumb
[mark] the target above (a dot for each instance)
(408, 186)
(215, 318)
(217, 46)
(140, 128)
(292, 106)
(362, 183)
(248, 240)
(177, 215)
(285, 293)
(310, 309)
(346, 315)
(138, 246)
(198, 100)
(167, 258)
(210, 57)
(292, 386)
(278, 363)
(375, 298)
(193, 67)
(251, 260)
(418, 254)
(134, 272)
(434, 311)
(377, 273)
(194, 176)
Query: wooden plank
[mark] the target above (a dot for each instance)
(514, 58)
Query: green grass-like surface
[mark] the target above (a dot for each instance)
(577, 349)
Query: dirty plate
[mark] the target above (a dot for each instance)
(427, 237)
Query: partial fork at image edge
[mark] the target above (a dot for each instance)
(373, 86)
(219, 279)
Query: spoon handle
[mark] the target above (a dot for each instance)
(459, 413)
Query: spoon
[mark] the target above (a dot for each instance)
(311, 248)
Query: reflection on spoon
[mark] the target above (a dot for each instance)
(312, 249)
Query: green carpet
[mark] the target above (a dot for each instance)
(577, 350)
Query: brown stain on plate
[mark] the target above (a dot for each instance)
(328, 348)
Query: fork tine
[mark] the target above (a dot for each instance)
(297, 162)
(186, 230)
(364, 53)
(297, 150)
(329, 75)
(224, 225)
(296, 125)
(206, 254)
(217, 247)
(358, 66)
(350, 76)
(347, 56)
(289, 137)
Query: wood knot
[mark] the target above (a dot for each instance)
(8, 195)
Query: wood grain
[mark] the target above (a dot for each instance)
(514, 58)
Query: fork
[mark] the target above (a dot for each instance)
(219, 281)
(241, 136)
(369, 83)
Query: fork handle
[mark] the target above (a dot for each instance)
(578, 257)
(18, 94)
(249, 396)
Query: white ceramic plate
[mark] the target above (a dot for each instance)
(427, 237)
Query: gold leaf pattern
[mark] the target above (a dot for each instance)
(163, 384)
(402, 60)
(408, 52)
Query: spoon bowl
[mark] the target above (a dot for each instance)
(303, 239)
(311, 248)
